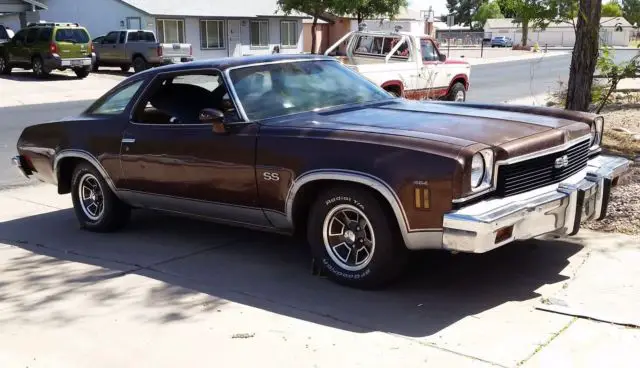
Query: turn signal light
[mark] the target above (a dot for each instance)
(422, 197)
(504, 234)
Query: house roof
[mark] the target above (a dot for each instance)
(211, 8)
(509, 23)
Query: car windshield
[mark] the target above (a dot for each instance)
(278, 89)
(72, 35)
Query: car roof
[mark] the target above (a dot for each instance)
(232, 62)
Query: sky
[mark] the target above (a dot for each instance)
(439, 6)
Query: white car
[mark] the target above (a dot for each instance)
(405, 64)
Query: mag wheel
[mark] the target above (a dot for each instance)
(96, 207)
(355, 239)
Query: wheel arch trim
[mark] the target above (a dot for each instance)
(421, 239)
(74, 153)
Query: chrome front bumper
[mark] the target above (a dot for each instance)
(557, 209)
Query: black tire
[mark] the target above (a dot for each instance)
(125, 68)
(82, 73)
(5, 68)
(38, 68)
(114, 215)
(388, 258)
(95, 67)
(139, 64)
(455, 92)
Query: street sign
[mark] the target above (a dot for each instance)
(450, 21)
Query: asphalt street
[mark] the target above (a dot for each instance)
(490, 83)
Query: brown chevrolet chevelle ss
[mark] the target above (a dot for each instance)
(304, 145)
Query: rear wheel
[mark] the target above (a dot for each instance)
(39, 70)
(96, 207)
(5, 68)
(125, 68)
(82, 72)
(95, 67)
(457, 93)
(139, 64)
(355, 239)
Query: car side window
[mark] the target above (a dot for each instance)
(429, 52)
(111, 38)
(117, 102)
(179, 99)
(20, 36)
(133, 37)
(4, 35)
(32, 35)
(45, 35)
(123, 35)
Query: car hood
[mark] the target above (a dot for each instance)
(461, 124)
(491, 126)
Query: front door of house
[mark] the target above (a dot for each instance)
(235, 45)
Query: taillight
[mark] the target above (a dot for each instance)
(92, 47)
(159, 50)
(53, 48)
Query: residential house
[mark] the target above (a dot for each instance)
(215, 28)
(614, 31)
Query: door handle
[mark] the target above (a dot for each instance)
(128, 140)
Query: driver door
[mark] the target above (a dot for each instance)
(172, 161)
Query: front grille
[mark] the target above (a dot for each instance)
(541, 171)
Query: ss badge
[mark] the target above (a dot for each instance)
(271, 176)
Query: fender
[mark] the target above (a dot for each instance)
(394, 83)
(414, 240)
(456, 79)
(87, 157)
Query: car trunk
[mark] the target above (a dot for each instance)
(72, 43)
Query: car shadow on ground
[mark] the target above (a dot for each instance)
(28, 76)
(265, 271)
(114, 72)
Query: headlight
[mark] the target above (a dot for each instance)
(477, 170)
(482, 170)
(597, 129)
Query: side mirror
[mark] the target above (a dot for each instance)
(214, 117)
(442, 57)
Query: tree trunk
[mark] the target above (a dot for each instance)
(313, 35)
(584, 56)
(359, 15)
(525, 31)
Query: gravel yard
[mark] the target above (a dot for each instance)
(622, 127)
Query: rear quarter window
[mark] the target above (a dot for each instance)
(74, 35)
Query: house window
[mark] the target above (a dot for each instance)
(212, 34)
(260, 33)
(289, 33)
(170, 30)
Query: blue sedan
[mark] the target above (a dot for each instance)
(501, 41)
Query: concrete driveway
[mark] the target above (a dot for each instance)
(171, 291)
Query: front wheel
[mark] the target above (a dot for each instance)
(457, 93)
(96, 207)
(355, 239)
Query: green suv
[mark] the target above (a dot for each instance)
(43, 47)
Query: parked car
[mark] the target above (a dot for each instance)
(140, 49)
(405, 64)
(6, 33)
(301, 144)
(43, 47)
(501, 41)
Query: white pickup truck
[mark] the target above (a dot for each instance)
(405, 64)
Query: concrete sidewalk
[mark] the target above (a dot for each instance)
(169, 292)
